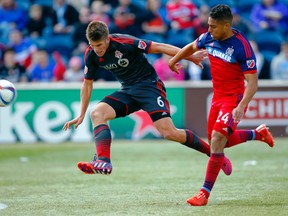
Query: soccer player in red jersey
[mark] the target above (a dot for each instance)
(232, 61)
(141, 88)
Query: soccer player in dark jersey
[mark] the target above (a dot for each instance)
(141, 88)
(232, 61)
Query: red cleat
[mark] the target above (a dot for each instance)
(227, 166)
(96, 167)
(198, 200)
(265, 135)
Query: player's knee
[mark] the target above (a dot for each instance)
(218, 141)
(168, 134)
(95, 114)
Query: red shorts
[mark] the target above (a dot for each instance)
(220, 116)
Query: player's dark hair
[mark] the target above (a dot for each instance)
(97, 30)
(222, 13)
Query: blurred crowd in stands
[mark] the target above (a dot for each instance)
(44, 40)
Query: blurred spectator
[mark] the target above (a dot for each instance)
(263, 64)
(279, 64)
(23, 46)
(183, 17)
(59, 68)
(128, 18)
(64, 17)
(241, 24)
(78, 4)
(99, 12)
(36, 22)
(164, 72)
(270, 15)
(12, 16)
(182, 14)
(202, 25)
(79, 39)
(196, 73)
(74, 73)
(156, 28)
(11, 70)
(2, 49)
(44, 68)
(109, 4)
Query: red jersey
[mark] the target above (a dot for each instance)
(183, 12)
(230, 59)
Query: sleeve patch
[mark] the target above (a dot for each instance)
(142, 45)
(250, 63)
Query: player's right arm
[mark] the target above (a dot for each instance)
(86, 90)
(186, 51)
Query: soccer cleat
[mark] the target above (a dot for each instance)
(96, 167)
(227, 166)
(265, 135)
(198, 200)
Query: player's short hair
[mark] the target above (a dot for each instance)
(97, 30)
(222, 13)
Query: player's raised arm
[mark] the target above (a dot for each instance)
(196, 56)
(184, 53)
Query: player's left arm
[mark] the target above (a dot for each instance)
(251, 88)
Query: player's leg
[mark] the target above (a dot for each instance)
(102, 137)
(223, 126)
(113, 106)
(157, 106)
(261, 133)
(214, 166)
(186, 137)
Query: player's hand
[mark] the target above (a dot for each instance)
(238, 114)
(175, 67)
(77, 121)
(198, 57)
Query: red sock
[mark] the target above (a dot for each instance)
(240, 136)
(213, 168)
(102, 137)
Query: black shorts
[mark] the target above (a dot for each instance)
(148, 95)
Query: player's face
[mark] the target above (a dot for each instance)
(217, 29)
(100, 46)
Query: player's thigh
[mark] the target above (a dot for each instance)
(122, 103)
(213, 115)
(103, 112)
(225, 123)
(165, 125)
(152, 98)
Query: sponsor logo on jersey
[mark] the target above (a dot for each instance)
(123, 62)
(250, 63)
(118, 54)
(219, 54)
(142, 45)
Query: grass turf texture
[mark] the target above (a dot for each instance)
(152, 177)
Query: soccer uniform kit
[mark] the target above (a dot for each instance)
(230, 60)
(141, 88)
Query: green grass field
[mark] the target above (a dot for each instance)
(152, 177)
